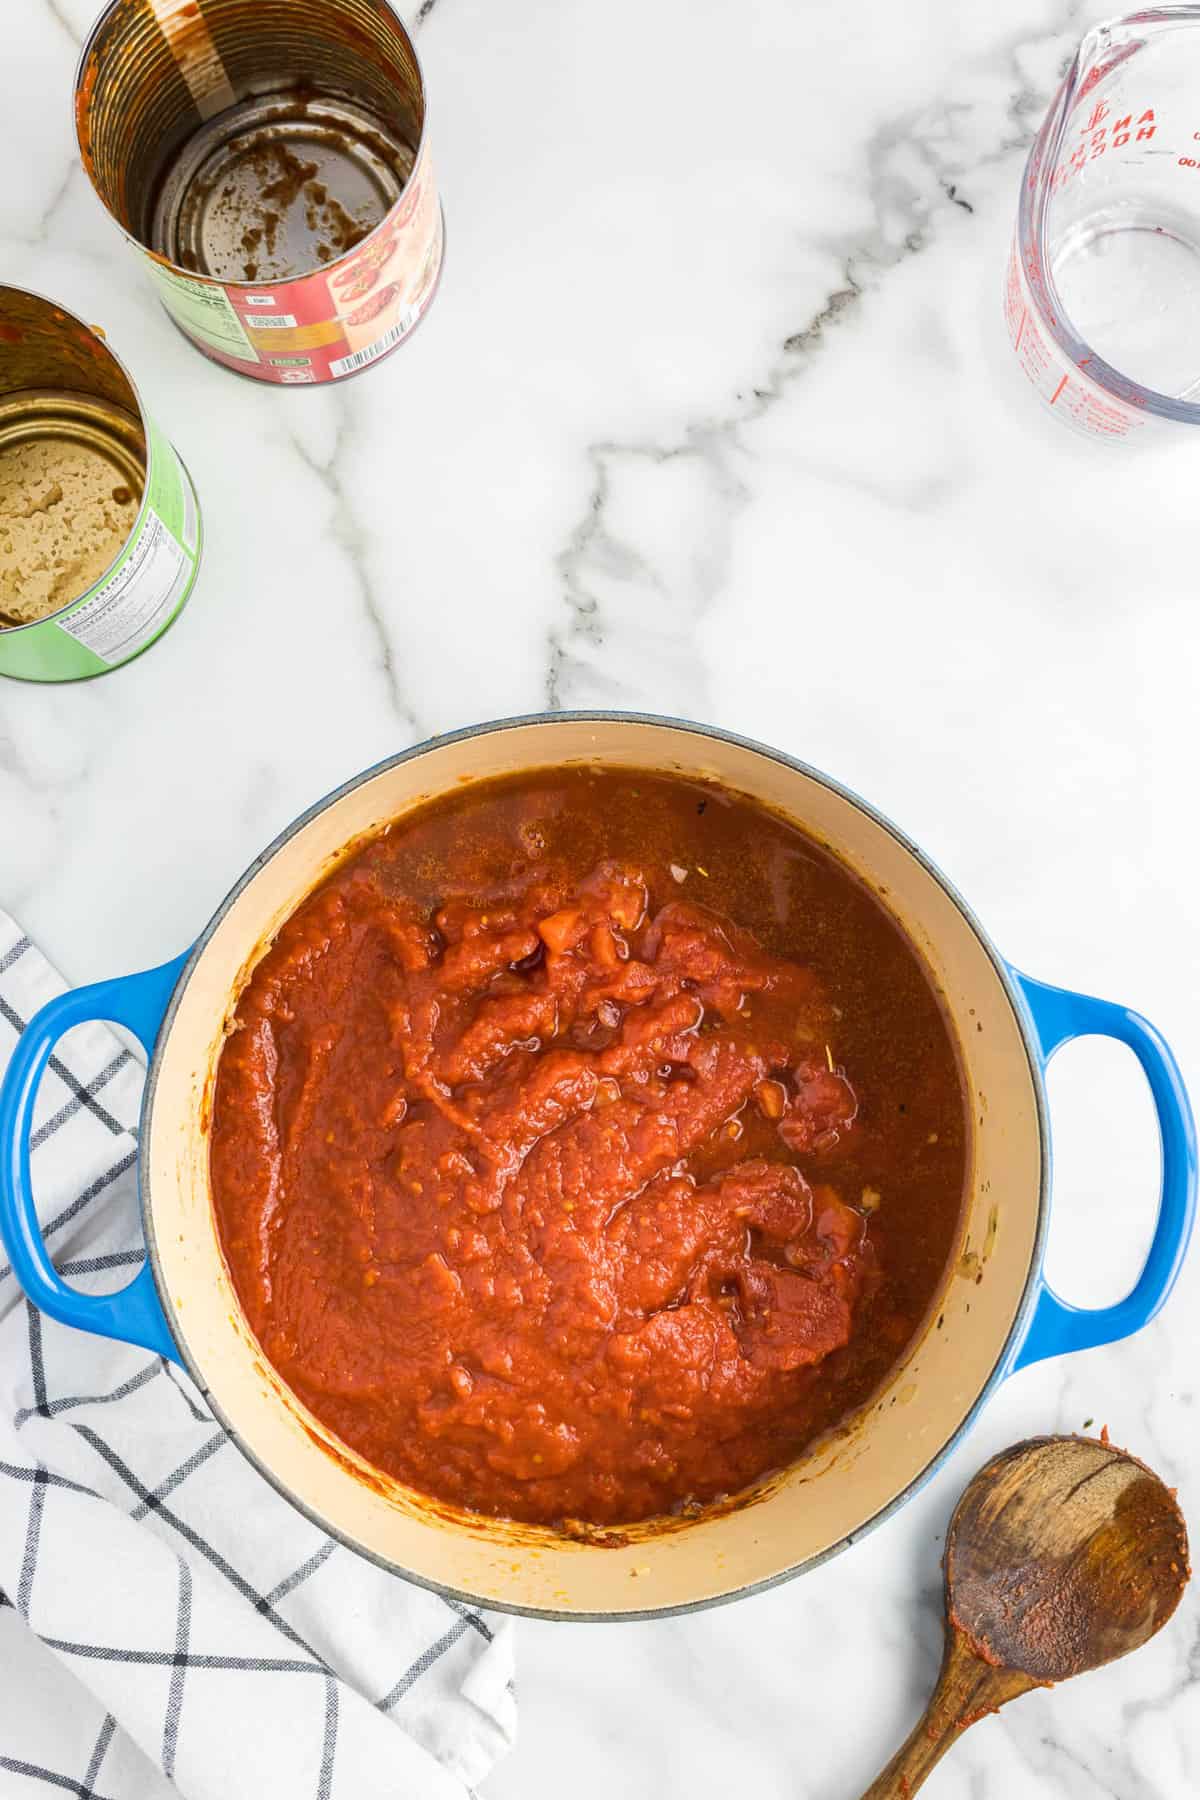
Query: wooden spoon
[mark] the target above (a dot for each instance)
(1063, 1554)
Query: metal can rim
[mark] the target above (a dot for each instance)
(11, 631)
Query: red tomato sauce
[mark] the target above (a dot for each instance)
(587, 1145)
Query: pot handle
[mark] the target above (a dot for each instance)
(135, 1314)
(1057, 1326)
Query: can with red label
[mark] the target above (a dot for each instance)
(269, 161)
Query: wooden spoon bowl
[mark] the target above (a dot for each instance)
(1062, 1554)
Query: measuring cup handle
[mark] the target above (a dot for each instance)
(1058, 1016)
(135, 1314)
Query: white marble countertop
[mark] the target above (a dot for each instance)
(714, 415)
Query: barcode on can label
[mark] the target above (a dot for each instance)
(346, 365)
(271, 322)
(136, 603)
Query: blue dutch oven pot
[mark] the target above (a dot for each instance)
(1002, 1318)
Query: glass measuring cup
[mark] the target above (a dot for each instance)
(1102, 299)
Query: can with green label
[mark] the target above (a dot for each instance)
(99, 524)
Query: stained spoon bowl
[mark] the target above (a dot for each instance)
(1063, 1554)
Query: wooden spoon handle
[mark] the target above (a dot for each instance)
(967, 1689)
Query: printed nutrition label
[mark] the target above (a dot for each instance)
(136, 603)
(191, 513)
(205, 311)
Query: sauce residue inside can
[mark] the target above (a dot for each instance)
(70, 483)
(272, 169)
(99, 526)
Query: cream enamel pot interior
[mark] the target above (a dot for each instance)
(995, 1313)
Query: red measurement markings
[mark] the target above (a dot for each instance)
(1099, 137)
(1058, 390)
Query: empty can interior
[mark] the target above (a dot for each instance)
(277, 186)
(63, 393)
(250, 141)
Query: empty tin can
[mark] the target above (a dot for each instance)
(268, 159)
(99, 525)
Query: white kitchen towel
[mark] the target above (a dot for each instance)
(165, 1617)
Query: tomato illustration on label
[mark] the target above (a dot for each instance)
(356, 282)
(366, 266)
(375, 305)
